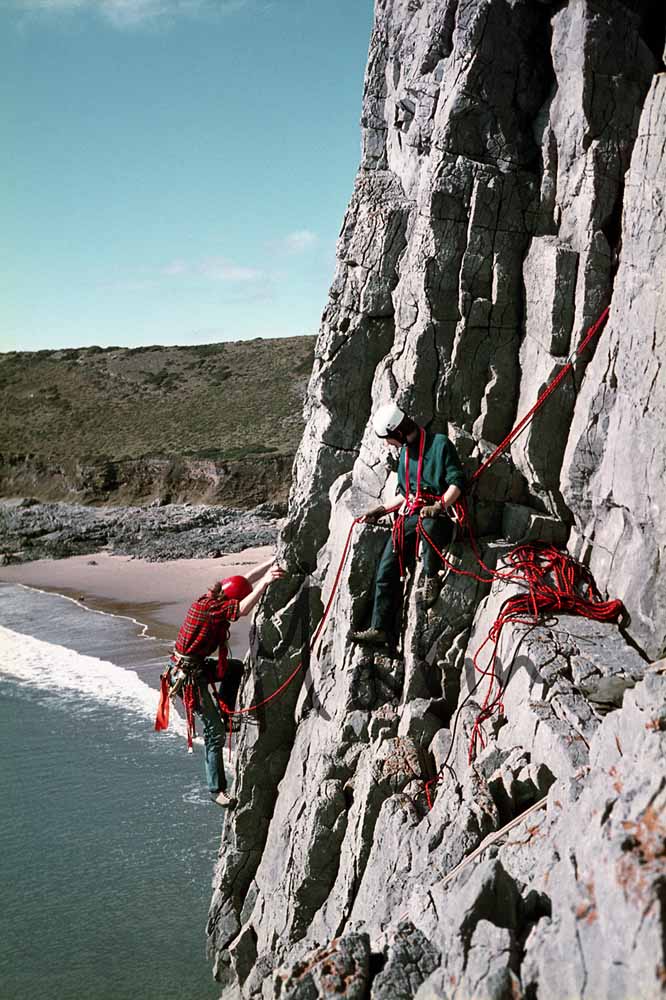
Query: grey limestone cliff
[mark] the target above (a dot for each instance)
(512, 185)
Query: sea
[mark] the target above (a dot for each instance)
(108, 838)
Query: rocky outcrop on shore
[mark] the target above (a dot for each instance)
(243, 483)
(32, 530)
(512, 186)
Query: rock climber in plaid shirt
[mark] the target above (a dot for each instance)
(205, 629)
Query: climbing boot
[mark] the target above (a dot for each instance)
(223, 799)
(370, 637)
(431, 589)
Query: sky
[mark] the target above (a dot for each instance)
(174, 171)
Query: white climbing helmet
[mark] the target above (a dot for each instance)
(387, 419)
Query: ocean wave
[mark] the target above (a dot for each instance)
(54, 669)
(144, 632)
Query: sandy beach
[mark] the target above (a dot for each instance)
(157, 594)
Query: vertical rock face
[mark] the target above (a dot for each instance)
(512, 185)
(615, 460)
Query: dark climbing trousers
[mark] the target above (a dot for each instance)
(388, 590)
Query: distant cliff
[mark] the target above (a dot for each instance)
(512, 185)
(217, 423)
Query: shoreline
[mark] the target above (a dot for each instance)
(31, 531)
(152, 594)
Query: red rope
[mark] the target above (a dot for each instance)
(537, 565)
(188, 703)
(427, 786)
(550, 388)
(231, 713)
(553, 582)
(417, 501)
(412, 504)
(532, 566)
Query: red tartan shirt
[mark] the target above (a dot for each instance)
(206, 628)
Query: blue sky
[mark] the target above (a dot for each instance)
(174, 171)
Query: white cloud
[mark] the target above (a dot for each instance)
(221, 269)
(300, 241)
(217, 270)
(175, 269)
(131, 13)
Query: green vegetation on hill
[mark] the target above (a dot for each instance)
(211, 401)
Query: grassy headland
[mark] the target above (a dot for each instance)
(213, 401)
(216, 422)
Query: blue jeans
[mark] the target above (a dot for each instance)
(214, 728)
(214, 734)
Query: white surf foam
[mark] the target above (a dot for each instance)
(51, 668)
(143, 628)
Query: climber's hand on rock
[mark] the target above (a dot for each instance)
(432, 510)
(274, 573)
(372, 516)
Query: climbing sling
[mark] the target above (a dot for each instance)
(181, 678)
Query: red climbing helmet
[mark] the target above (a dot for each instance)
(236, 587)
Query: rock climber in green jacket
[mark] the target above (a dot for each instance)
(430, 479)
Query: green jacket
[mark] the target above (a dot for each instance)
(441, 466)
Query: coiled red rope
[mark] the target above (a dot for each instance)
(554, 583)
(412, 504)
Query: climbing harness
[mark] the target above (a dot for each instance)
(181, 678)
(414, 502)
